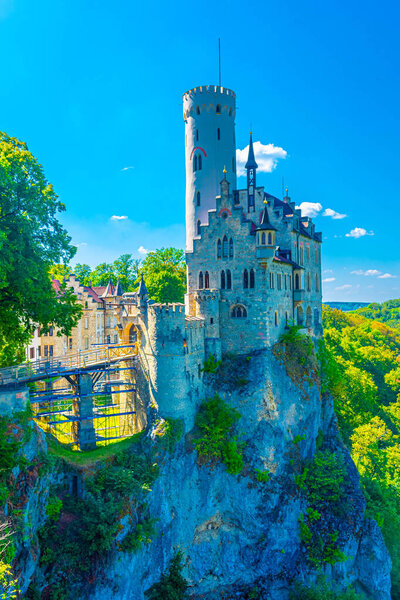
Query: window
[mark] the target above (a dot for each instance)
(301, 255)
(211, 320)
(219, 249)
(290, 282)
(31, 352)
(308, 252)
(228, 280)
(230, 112)
(86, 322)
(308, 317)
(316, 317)
(300, 316)
(200, 162)
(285, 281)
(197, 135)
(297, 282)
(206, 280)
(218, 134)
(86, 304)
(197, 198)
(50, 351)
(108, 322)
(195, 163)
(276, 319)
(316, 283)
(245, 279)
(70, 343)
(270, 239)
(308, 282)
(272, 280)
(263, 239)
(39, 351)
(46, 351)
(239, 312)
(51, 331)
(279, 281)
(316, 255)
(218, 109)
(225, 247)
(252, 279)
(115, 338)
(198, 227)
(231, 248)
(201, 280)
(109, 339)
(86, 343)
(222, 280)
(197, 110)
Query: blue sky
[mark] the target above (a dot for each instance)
(95, 87)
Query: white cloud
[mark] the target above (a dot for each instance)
(347, 286)
(328, 212)
(267, 156)
(387, 276)
(328, 279)
(368, 273)
(143, 250)
(118, 217)
(310, 209)
(358, 232)
(327, 271)
(127, 168)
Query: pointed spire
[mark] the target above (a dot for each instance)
(118, 289)
(109, 290)
(142, 291)
(265, 223)
(251, 161)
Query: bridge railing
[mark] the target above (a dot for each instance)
(54, 365)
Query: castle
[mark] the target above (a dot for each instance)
(253, 268)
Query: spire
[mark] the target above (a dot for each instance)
(251, 161)
(118, 289)
(142, 291)
(265, 223)
(109, 290)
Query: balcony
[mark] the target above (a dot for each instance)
(298, 295)
(265, 252)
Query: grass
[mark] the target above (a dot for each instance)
(90, 457)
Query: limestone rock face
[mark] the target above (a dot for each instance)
(238, 534)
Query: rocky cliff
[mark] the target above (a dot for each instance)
(249, 535)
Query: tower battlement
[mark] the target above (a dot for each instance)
(207, 89)
(168, 310)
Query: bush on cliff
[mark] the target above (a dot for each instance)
(215, 440)
(172, 585)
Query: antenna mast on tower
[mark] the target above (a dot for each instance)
(219, 62)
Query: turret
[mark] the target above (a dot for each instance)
(265, 236)
(209, 115)
(143, 294)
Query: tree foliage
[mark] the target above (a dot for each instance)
(31, 240)
(164, 272)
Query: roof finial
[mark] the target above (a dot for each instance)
(224, 171)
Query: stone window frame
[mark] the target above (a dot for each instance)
(206, 280)
(201, 280)
(238, 311)
(245, 279)
(252, 279)
(276, 319)
(219, 249)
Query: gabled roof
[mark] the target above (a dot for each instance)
(109, 291)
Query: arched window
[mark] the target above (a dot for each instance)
(132, 334)
(222, 280)
(195, 163)
(197, 135)
(201, 280)
(238, 312)
(308, 282)
(200, 162)
(316, 283)
(297, 282)
(231, 248)
(302, 255)
(198, 199)
(218, 134)
(197, 110)
(219, 249)
(228, 280)
(276, 319)
(245, 279)
(206, 280)
(300, 316)
(270, 239)
(252, 279)
(225, 247)
(198, 227)
(308, 317)
(263, 239)
(218, 109)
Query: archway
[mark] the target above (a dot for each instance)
(300, 316)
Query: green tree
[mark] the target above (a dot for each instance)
(164, 271)
(102, 274)
(59, 271)
(31, 240)
(83, 273)
(126, 269)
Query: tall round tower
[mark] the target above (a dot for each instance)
(209, 115)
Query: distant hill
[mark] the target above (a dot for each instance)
(347, 306)
(388, 312)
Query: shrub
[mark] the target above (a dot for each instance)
(169, 433)
(215, 422)
(172, 585)
(53, 508)
(262, 476)
(142, 534)
(323, 591)
(211, 365)
(296, 351)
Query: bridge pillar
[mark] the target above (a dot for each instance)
(85, 434)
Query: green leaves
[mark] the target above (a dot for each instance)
(164, 272)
